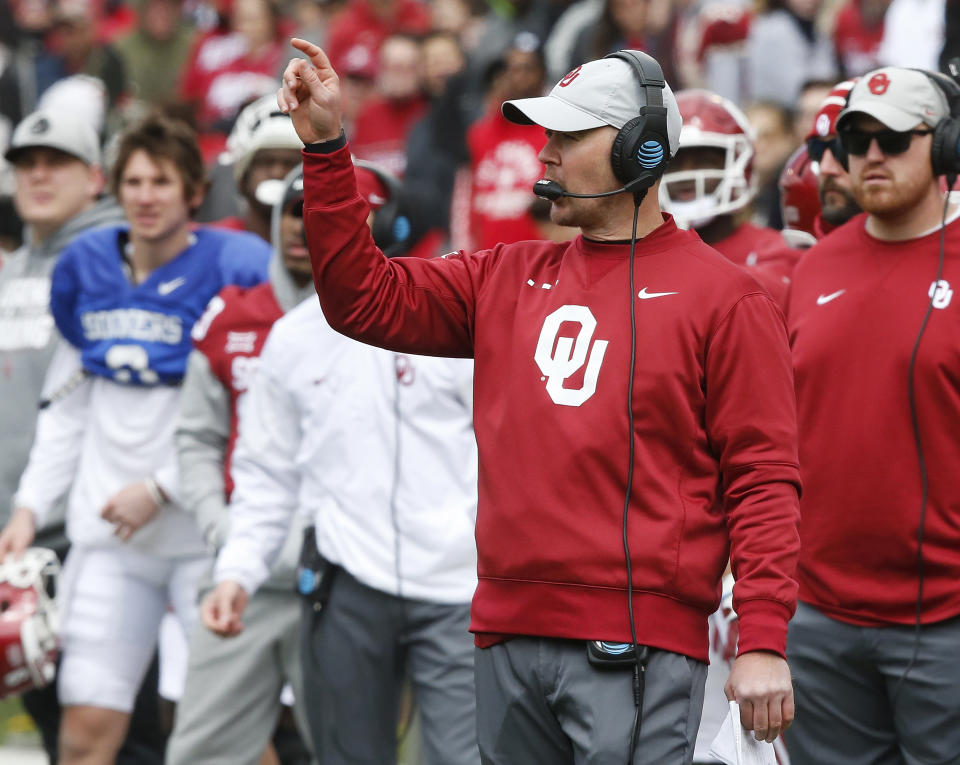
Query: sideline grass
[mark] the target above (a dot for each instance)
(16, 727)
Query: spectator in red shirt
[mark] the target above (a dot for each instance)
(857, 33)
(367, 23)
(230, 67)
(383, 124)
(503, 155)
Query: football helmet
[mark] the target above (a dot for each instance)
(696, 196)
(260, 125)
(29, 623)
(799, 192)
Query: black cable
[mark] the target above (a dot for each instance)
(641, 667)
(403, 725)
(921, 459)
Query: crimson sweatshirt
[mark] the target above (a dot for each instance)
(855, 311)
(548, 325)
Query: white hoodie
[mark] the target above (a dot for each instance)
(376, 448)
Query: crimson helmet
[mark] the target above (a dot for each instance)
(800, 192)
(711, 121)
(29, 626)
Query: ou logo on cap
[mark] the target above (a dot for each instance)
(878, 84)
(570, 76)
(823, 125)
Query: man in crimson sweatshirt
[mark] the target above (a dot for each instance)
(874, 332)
(701, 463)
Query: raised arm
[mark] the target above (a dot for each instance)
(409, 305)
(310, 94)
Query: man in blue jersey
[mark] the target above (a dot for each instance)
(125, 299)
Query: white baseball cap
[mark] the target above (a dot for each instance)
(602, 92)
(261, 125)
(55, 130)
(899, 98)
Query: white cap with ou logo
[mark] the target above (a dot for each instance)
(899, 98)
(602, 92)
(53, 130)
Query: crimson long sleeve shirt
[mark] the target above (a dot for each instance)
(548, 324)
(856, 307)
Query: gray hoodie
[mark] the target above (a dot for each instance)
(27, 340)
(204, 427)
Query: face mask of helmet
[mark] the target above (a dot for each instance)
(29, 625)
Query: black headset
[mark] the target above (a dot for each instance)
(945, 146)
(391, 228)
(641, 149)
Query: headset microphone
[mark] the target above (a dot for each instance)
(552, 190)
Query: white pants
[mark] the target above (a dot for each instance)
(111, 603)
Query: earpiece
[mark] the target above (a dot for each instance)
(945, 148)
(641, 149)
(391, 229)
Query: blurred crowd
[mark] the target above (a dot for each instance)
(423, 81)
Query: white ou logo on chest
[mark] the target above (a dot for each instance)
(560, 357)
(940, 294)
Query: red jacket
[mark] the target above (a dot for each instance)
(856, 307)
(716, 467)
(231, 335)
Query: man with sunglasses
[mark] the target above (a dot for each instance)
(873, 329)
(837, 203)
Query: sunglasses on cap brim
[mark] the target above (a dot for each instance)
(891, 142)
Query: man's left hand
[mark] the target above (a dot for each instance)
(129, 509)
(760, 683)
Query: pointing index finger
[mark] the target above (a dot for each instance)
(314, 52)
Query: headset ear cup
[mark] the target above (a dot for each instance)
(639, 155)
(945, 147)
(624, 168)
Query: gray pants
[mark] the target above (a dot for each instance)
(356, 654)
(540, 702)
(232, 697)
(845, 677)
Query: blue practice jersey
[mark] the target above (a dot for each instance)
(140, 333)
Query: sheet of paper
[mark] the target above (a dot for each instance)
(736, 746)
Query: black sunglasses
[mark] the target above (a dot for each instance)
(857, 142)
(295, 208)
(816, 147)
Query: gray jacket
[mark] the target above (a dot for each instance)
(27, 340)
(203, 429)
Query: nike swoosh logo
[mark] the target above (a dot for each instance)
(165, 288)
(644, 295)
(822, 299)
